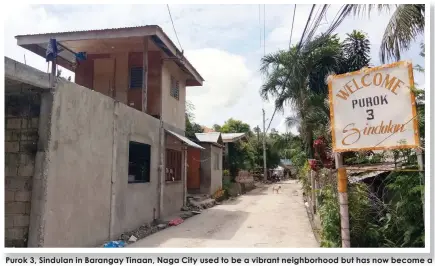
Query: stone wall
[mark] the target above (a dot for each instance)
(21, 137)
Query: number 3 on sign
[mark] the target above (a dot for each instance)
(370, 113)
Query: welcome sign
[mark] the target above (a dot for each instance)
(373, 109)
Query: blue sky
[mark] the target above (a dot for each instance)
(221, 41)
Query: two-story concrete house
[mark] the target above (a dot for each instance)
(109, 149)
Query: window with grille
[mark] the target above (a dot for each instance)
(136, 77)
(173, 165)
(139, 162)
(175, 88)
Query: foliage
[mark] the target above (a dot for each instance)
(226, 184)
(362, 218)
(297, 78)
(240, 154)
(356, 49)
(304, 175)
(403, 224)
(329, 212)
(365, 158)
(217, 128)
(396, 220)
(406, 23)
(191, 127)
(235, 126)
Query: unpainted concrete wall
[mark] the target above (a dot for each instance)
(134, 203)
(211, 178)
(88, 198)
(79, 168)
(216, 174)
(21, 137)
(174, 110)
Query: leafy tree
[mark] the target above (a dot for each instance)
(217, 128)
(356, 48)
(191, 127)
(241, 153)
(297, 78)
(235, 126)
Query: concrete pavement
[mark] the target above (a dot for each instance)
(256, 219)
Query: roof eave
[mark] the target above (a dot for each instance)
(30, 42)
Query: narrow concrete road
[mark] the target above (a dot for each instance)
(256, 219)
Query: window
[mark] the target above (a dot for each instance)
(139, 162)
(173, 165)
(136, 77)
(175, 88)
(216, 161)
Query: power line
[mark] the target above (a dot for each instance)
(264, 29)
(259, 24)
(291, 31)
(306, 26)
(298, 48)
(173, 26)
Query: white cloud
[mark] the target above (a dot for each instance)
(226, 79)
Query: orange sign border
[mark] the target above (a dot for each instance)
(413, 107)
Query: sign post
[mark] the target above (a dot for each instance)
(370, 109)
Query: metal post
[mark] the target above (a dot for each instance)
(343, 201)
(264, 146)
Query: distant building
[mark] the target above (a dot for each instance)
(205, 166)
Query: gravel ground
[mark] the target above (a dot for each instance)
(259, 218)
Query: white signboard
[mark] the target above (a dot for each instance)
(373, 109)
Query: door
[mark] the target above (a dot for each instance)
(104, 72)
(193, 170)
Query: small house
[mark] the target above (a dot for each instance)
(205, 166)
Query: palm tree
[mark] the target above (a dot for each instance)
(289, 78)
(305, 90)
(405, 25)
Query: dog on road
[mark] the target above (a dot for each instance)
(277, 189)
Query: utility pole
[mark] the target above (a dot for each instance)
(264, 145)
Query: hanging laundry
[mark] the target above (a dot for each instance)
(52, 50)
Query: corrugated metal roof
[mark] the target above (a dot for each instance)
(230, 137)
(362, 177)
(360, 173)
(212, 137)
(185, 140)
(158, 28)
(92, 30)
